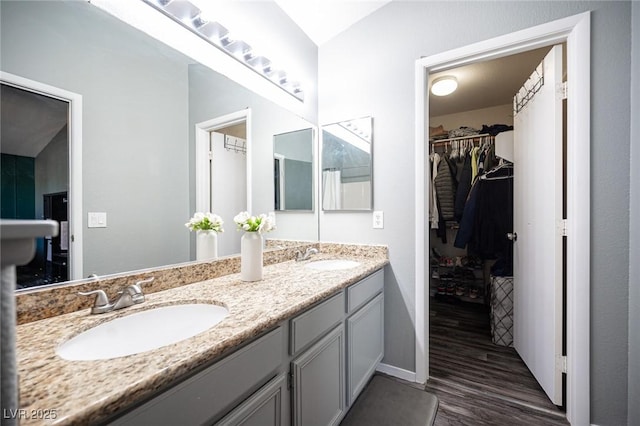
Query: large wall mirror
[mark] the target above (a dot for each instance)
(293, 170)
(347, 160)
(141, 102)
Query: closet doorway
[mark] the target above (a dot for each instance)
(575, 32)
(482, 176)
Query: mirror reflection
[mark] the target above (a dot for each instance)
(141, 102)
(293, 170)
(346, 165)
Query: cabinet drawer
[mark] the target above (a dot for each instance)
(361, 292)
(208, 395)
(311, 325)
(264, 408)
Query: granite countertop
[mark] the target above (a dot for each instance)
(83, 392)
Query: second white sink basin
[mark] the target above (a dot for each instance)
(142, 331)
(332, 264)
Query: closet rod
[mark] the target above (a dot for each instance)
(444, 141)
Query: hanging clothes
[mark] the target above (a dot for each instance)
(434, 214)
(464, 186)
(446, 185)
(465, 231)
(493, 219)
(475, 152)
(488, 217)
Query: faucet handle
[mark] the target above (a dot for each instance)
(148, 280)
(101, 302)
(138, 285)
(101, 296)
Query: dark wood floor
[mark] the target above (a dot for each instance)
(477, 382)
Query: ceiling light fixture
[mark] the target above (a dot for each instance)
(444, 86)
(190, 17)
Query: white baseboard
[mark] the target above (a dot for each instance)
(400, 373)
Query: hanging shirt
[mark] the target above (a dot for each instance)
(474, 163)
(433, 204)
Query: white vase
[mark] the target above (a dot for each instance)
(251, 256)
(206, 245)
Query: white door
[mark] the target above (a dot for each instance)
(537, 224)
(228, 190)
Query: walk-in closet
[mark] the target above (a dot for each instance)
(471, 238)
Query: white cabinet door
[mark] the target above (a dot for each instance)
(537, 222)
(319, 382)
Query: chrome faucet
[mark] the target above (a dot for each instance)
(307, 254)
(131, 295)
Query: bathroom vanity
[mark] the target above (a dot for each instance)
(296, 348)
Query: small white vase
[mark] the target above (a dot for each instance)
(206, 245)
(251, 256)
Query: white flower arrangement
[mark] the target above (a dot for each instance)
(205, 222)
(248, 223)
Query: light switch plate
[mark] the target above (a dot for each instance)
(97, 220)
(378, 219)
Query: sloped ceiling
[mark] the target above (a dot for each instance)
(322, 20)
(29, 121)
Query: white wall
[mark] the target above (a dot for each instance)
(369, 69)
(634, 225)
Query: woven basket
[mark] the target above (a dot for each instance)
(502, 310)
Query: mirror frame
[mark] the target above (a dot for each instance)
(321, 183)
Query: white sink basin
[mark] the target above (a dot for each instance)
(332, 264)
(142, 331)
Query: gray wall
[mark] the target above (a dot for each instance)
(369, 69)
(634, 226)
(134, 139)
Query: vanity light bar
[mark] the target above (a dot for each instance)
(190, 17)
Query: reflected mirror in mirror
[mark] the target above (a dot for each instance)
(293, 170)
(347, 182)
(141, 102)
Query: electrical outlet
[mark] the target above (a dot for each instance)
(97, 220)
(378, 219)
(272, 216)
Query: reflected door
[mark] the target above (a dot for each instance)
(228, 186)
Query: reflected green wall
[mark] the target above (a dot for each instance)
(18, 187)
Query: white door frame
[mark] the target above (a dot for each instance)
(575, 31)
(203, 165)
(75, 161)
